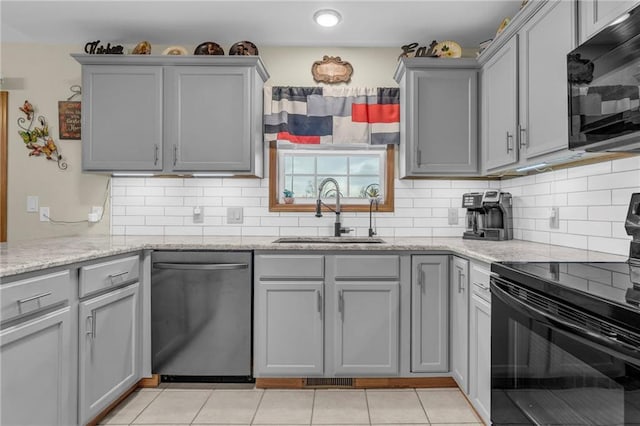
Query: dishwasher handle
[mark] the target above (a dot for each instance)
(200, 266)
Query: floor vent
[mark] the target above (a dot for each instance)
(320, 382)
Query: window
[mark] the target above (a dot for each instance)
(360, 173)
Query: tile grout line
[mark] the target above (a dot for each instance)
(366, 400)
(313, 405)
(201, 407)
(422, 405)
(255, 413)
(145, 407)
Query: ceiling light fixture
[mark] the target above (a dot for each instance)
(327, 17)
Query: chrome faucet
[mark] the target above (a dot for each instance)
(338, 230)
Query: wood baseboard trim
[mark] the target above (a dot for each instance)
(150, 382)
(279, 383)
(114, 404)
(404, 382)
(362, 383)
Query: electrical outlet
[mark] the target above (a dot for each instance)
(453, 216)
(32, 204)
(235, 215)
(554, 218)
(198, 214)
(44, 214)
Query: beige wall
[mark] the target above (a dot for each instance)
(43, 74)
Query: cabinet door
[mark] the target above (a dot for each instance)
(121, 118)
(460, 321)
(544, 43)
(443, 122)
(480, 356)
(366, 328)
(596, 14)
(500, 106)
(108, 333)
(429, 314)
(289, 328)
(36, 371)
(208, 118)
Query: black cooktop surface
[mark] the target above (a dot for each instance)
(604, 288)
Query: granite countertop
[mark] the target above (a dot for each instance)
(33, 255)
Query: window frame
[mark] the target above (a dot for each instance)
(386, 205)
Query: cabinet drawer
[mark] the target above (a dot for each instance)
(363, 266)
(32, 294)
(480, 281)
(103, 275)
(289, 266)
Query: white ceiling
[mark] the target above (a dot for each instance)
(265, 22)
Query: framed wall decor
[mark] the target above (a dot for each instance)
(331, 70)
(69, 119)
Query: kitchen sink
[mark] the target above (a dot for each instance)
(330, 240)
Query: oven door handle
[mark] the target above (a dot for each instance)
(621, 349)
(200, 266)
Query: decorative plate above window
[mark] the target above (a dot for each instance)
(331, 70)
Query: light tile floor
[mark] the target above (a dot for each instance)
(214, 405)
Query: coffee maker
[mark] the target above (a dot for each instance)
(489, 216)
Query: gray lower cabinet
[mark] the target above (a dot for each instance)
(438, 117)
(459, 307)
(37, 373)
(172, 113)
(289, 328)
(429, 314)
(596, 14)
(366, 328)
(108, 348)
(480, 356)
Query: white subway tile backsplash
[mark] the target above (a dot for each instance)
(629, 179)
(163, 201)
(589, 170)
(589, 198)
(593, 200)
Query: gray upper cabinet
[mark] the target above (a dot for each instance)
(121, 118)
(108, 348)
(459, 305)
(36, 371)
(524, 88)
(596, 14)
(429, 314)
(172, 113)
(500, 106)
(544, 43)
(366, 328)
(438, 117)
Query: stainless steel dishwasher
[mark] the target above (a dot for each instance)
(201, 305)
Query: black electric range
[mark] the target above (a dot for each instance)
(610, 290)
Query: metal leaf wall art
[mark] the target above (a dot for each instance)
(37, 139)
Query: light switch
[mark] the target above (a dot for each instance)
(554, 218)
(235, 215)
(32, 204)
(453, 216)
(198, 214)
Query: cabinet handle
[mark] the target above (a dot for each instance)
(90, 319)
(155, 154)
(94, 324)
(509, 140)
(460, 284)
(524, 143)
(29, 299)
(119, 274)
(421, 280)
(319, 302)
(341, 304)
(175, 154)
(419, 157)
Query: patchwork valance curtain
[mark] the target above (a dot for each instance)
(332, 115)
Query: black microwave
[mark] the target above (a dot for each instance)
(604, 88)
